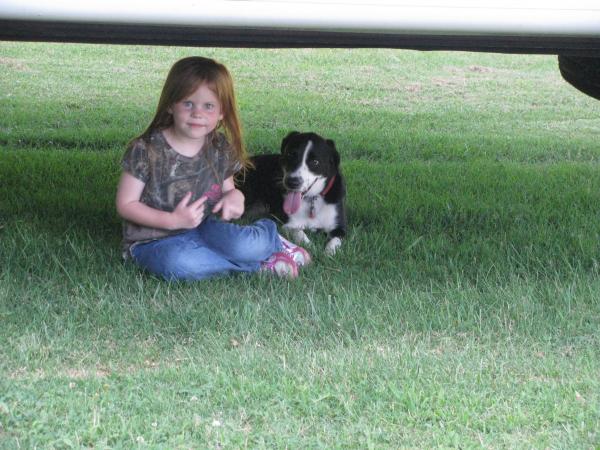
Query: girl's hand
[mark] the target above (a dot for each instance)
(231, 205)
(187, 216)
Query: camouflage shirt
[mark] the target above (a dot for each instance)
(168, 176)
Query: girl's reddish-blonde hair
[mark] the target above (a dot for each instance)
(183, 79)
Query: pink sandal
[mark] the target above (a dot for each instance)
(281, 264)
(300, 256)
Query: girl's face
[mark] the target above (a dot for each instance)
(196, 116)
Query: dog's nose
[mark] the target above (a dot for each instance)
(293, 183)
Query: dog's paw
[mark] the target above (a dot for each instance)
(332, 246)
(300, 236)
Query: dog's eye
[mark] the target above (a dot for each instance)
(314, 162)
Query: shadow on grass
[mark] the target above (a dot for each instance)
(431, 247)
(61, 190)
(418, 219)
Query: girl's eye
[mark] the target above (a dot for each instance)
(209, 106)
(187, 104)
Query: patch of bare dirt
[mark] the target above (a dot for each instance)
(13, 63)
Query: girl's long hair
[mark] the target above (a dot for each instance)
(183, 79)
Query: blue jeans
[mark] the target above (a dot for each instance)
(213, 248)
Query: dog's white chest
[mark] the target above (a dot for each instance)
(314, 214)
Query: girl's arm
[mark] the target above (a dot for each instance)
(129, 207)
(231, 204)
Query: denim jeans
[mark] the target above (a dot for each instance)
(213, 248)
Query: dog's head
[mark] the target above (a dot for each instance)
(308, 161)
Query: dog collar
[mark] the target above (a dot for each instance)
(312, 198)
(328, 187)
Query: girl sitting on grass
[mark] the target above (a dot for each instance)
(178, 176)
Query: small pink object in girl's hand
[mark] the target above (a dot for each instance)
(215, 193)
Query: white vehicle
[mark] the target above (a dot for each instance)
(570, 29)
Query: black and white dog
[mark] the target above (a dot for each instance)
(302, 187)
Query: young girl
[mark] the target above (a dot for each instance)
(178, 178)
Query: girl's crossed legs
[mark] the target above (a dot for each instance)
(213, 248)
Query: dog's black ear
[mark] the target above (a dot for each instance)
(286, 139)
(335, 158)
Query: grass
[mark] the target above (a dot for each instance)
(462, 311)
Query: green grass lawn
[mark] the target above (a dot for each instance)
(462, 311)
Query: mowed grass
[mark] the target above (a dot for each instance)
(461, 312)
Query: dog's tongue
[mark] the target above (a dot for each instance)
(291, 202)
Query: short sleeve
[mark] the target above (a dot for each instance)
(233, 168)
(136, 161)
(230, 166)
